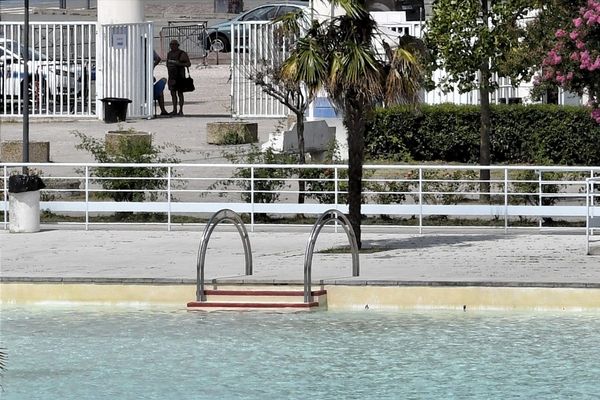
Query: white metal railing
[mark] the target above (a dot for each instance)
(592, 220)
(61, 66)
(415, 195)
(255, 47)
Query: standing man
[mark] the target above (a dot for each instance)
(177, 62)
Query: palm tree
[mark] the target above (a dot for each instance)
(339, 56)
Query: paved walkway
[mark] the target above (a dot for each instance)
(476, 258)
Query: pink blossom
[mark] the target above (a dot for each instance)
(580, 45)
(560, 33)
(553, 58)
(574, 35)
(574, 56)
(577, 22)
(596, 114)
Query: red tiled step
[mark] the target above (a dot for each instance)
(262, 292)
(256, 299)
(214, 304)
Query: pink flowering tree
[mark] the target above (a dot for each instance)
(574, 61)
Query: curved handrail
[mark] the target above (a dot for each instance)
(220, 216)
(326, 217)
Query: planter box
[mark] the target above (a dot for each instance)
(231, 132)
(117, 141)
(12, 151)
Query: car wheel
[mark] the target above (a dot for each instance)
(219, 43)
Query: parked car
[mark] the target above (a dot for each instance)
(58, 77)
(219, 35)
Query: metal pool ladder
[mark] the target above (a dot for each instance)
(326, 217)
(220, 216)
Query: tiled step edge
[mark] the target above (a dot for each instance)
(214, 304)
(262, 292)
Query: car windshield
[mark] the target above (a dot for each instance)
(260, 14)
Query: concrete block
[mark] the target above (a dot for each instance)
(117, 141)
(12, 151)
(231, 132)
(318, 137)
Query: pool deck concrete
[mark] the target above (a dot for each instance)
(399, 257)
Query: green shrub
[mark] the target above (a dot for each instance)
(268, 183)
(142, 182)
(530, 134)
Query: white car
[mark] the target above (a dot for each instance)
(55, 78)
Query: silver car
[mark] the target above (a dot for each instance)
(218, 36)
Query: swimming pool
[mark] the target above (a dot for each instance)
(89, 352)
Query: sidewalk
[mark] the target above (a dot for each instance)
(485, 258)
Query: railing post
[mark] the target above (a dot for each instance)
(169, 198)
(336, 198)
(252, 199)
(87, 197)
(505, 200)
(540, 200)
(420, 200)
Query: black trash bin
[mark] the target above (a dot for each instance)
(115, 109)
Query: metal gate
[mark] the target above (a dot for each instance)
(61, 67)
(256, 47)
(192, 38)
(125, 65)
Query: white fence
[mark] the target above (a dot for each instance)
(61, 67)
(403, 195)
(126, 65)
(70, 74)
(255, 47)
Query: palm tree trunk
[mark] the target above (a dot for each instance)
(301, 156)
(485, 131)
(355, 125)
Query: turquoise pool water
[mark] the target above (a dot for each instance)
(89, 352)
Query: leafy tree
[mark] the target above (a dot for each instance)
(539, 38)
(476, 42)
(574, 60)
(339, 56)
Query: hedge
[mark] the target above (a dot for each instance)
(529, 134)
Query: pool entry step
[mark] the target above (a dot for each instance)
(259, 300)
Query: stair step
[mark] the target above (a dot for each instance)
(198, 305)
(257, 299)
(217, 292)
